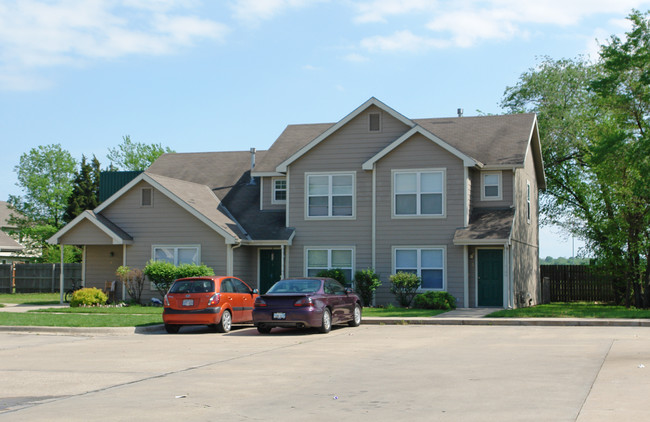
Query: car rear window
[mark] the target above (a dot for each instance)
(192, 286)
(295, 286)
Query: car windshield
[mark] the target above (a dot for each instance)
(295, 286)
(192, 286)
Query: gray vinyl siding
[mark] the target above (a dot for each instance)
(344, 151)
(165, 223)
(420, 153)
(86, 233)
(101, 263)
(267, 195)
(506, 186)
(525, 238)
(245, 262)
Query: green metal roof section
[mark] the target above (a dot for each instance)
(112, 181)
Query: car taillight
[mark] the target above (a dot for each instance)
(305, 301)
(167, 301)
(214, 299)
(259, 302)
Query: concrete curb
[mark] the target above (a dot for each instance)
(89, 331)
(549, 322)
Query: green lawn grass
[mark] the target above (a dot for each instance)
(572, 310)
(394, 312)
(31, 298)
(125, 310)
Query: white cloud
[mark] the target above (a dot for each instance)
(466, 23)
(356, 58)
(253, 11)
(37, 34)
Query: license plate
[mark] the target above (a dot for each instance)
(279, 315)
(188, 302)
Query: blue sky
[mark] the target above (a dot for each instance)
(230, 75)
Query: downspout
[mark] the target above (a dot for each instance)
(466, 276)
(282, 262)
(83, 266)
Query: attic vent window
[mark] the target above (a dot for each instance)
(146, 198)
(374, 122)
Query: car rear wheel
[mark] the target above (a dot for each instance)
(262, 329)
(172, 328)
(226, 322)
(326, 324)
(356, 316)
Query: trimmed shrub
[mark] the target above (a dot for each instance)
(365, 283)
(335, 273)
(435, 300)
(88, 296)
(133, 280)
(162, 274)
(404, 286)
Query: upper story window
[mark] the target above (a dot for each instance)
(419, 193)
(374, 122)
(491, 186)
(146, 197)
(427, 263)
(330, 195)
(279, 191)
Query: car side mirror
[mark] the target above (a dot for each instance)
(348, 290)
(255, 292)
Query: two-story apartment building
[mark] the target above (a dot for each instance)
(454, 200)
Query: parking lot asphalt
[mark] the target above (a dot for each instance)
(379, 372)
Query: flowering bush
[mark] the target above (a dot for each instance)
(88, 297)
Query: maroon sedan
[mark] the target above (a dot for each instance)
(307, 302)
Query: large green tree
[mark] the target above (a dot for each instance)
(45, 175)
(135, 156)
(593, 120)
(85, 192)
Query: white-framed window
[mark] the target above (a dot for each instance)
(419, 193)
(329, 195)
(528, 211)
(427, 262)
(146, 197)
(323, 258)
(177, 254)
(279, 191)
(374, 122)
(491, 186)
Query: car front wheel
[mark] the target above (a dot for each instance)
(356, 316)
(326, 324)
(226, 322)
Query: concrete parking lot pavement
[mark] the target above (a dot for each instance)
(378, 372)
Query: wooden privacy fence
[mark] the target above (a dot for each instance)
(575, 283)
(37, 278)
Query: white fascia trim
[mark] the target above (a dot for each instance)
(86, 215)
(467, 160)
(482, 242)
(229, 239)
(282, 167)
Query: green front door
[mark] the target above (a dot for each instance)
(490, 277)
(270, 268)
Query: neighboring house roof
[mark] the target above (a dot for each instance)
(486, 226)
(7, 244)
(5, 213)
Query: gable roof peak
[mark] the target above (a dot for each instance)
(372, 101)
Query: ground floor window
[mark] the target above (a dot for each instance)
(177, 254)
(319, 259)
(427, 263)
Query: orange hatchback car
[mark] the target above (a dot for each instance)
(218, 302)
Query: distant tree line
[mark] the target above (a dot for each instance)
(549, 260)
